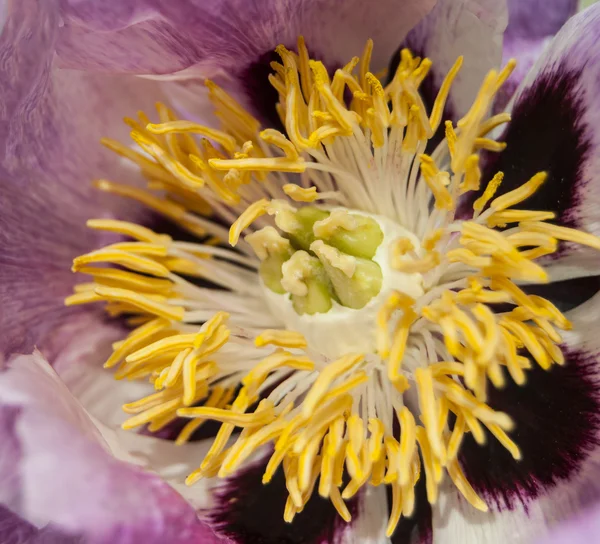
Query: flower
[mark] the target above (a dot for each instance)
(289, 351)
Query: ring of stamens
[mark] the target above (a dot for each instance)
(326, 417)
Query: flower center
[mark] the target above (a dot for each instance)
(329, 272)
(310, 333)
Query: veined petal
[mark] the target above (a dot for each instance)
(454, 520)
(471, 28)
(557, 430)
(244, 508)
(160, 37)
(68, 477)
(554, 116)
(52, 121)
(531, 25)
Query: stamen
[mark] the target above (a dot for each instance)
(394, 271)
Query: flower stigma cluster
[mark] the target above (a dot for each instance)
(347, 330)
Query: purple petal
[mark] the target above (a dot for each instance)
(583, 528)
(15, 530)
(68, 477)
(557, 428)
(472, 28)
(160, 36)
(52, 121)
(531, 24)
(554, 129)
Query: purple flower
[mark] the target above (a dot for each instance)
(401, 345)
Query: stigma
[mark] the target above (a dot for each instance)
(345, 288)
(330, 280)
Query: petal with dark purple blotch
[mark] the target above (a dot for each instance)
(553, 129)
(247, 511)
(471, 28)
(557, 429)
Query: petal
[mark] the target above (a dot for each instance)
(584, 528)
(557, 429)
(69, 478)
(143, 36)
(472, 28)
(52, 121)
(455, 520)
(555, 115)
(245, 510)
(417, 528)
(531, 24)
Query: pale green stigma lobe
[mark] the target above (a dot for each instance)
(322, 256)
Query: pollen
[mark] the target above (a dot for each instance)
(342, 284)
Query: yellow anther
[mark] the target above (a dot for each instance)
(519, 194)
(399, 340)
(463, 485)
(300, 194)
(489, 145)
(450, 138)
(472, 178)
(440, 100)
(141, 302)
(251, 214)
(432, 469)
(437, 182)
(420, 266)
(429, 411)
(365, 61)
(113, 277)
(392, 303)
(133, 230)
(495, 121)
(171, 343)
(489, 192)
(150, 168)
(116, 256)
(164, 207)
(516, 216)
(180, 127)
(173, 166)
(144, 248)
(278, 359)
(260, 165)
(563, 233)
(325, 379)
(504, 75)
(276, 138)
(281, 338)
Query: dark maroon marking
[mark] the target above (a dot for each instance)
(417, 528)
(263, 96)
(566, 294)
(557, 418)
(249, 512)
(428, 89)
(546, 134)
